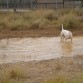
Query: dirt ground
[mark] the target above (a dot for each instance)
(45, 32)
(28, 33)
(39, 71)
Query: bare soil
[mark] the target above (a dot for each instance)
(28, 33)
(41, 32)
(39, 71)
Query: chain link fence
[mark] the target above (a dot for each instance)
(32, 4)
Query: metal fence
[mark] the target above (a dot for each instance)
(35, 4)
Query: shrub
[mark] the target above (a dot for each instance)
(70, 21)
(17, 73)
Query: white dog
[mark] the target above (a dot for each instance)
(65, 34)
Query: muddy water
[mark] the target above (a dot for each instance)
(43, 48)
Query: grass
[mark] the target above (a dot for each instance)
(17, 73)
(56, 80)
(71, 18)
(65, 79)
(14, 75)
(45, 22)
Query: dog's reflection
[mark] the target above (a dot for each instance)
(67, 48)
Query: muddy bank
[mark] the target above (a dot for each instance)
(28, 33)
(38, 71)
(44, 32)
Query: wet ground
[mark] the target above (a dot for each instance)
(43, 48)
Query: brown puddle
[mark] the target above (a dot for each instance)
(43, 48)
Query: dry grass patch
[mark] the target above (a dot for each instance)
(43, 20)
(12, 75)
(65, 79)
(17, 73)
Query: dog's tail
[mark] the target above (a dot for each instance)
(62, 27)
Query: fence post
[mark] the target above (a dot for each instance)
(63, 3)
(8, 5)
(36, 3)
(14, 5)
(82, 3)
(56, 4)
(45, 5)
(20, 4)
(31, 4)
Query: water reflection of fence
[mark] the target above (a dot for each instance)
(67, 49)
